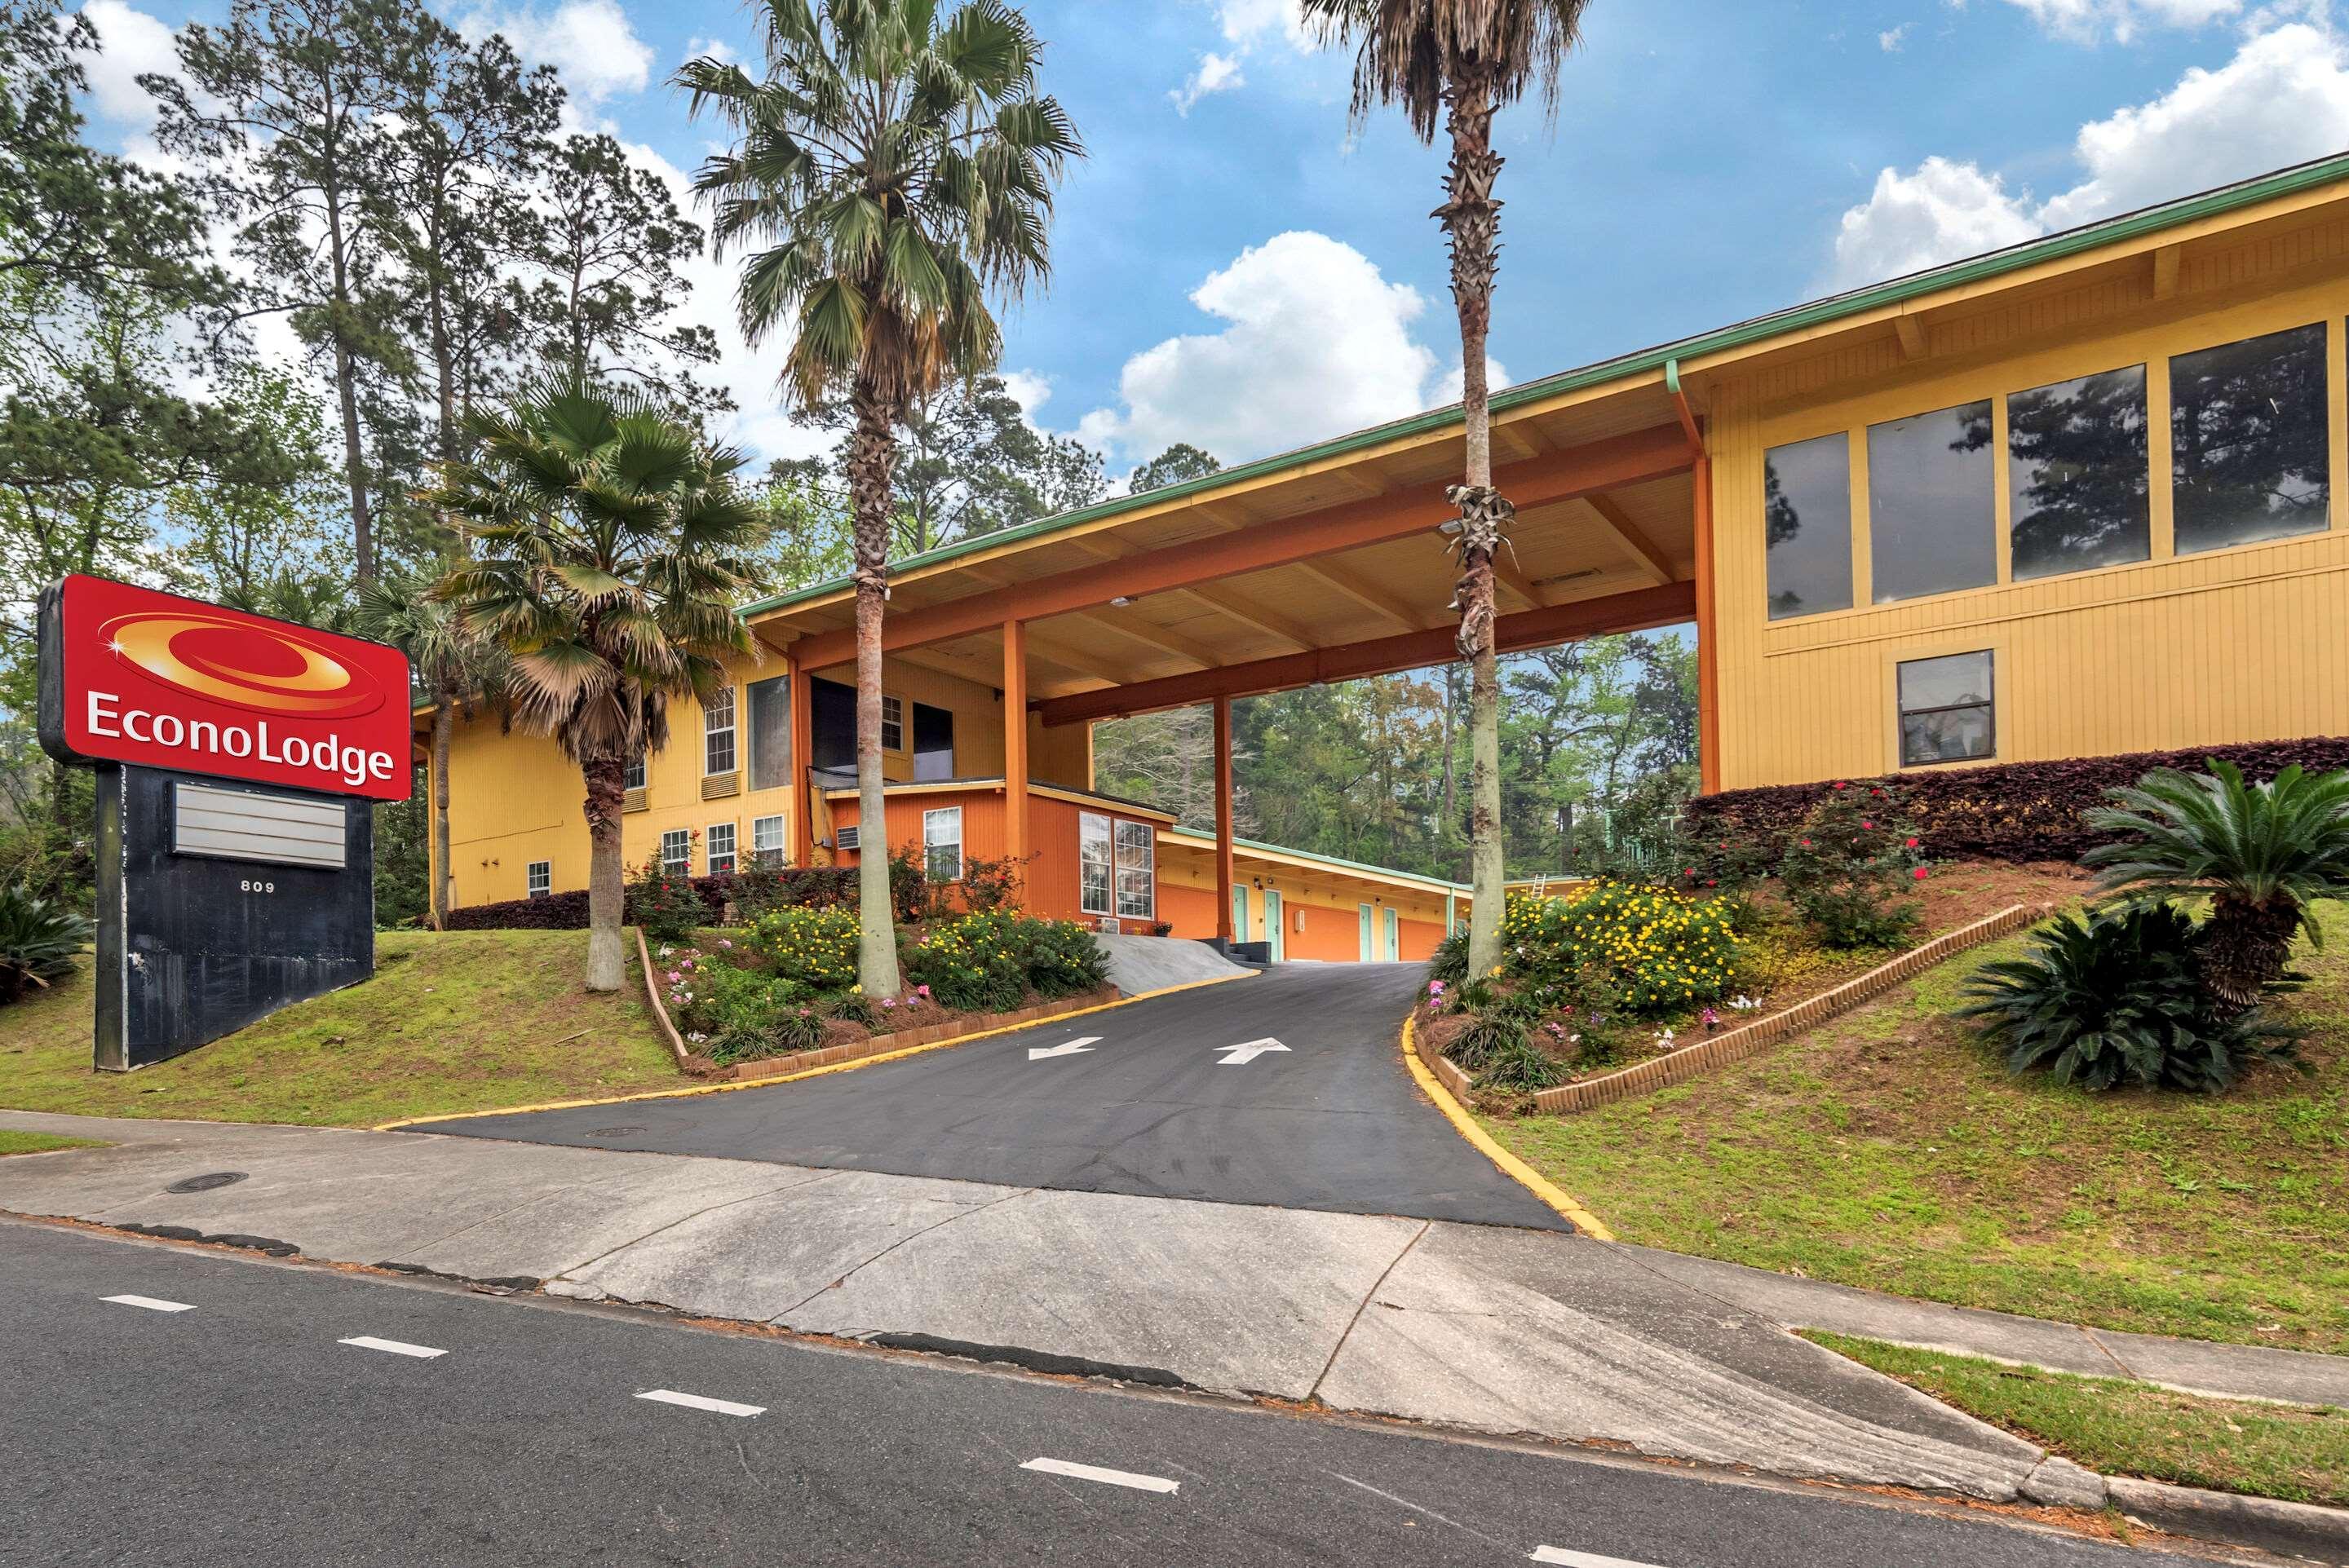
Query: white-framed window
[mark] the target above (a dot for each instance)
(720, 840)
(1094, 874)
(717, 733)
(1947, 709)
(1137, 883)
(768, 844)
(633, 778)
(538, 878)
(893, 723)
(942, 844)
(677, 850)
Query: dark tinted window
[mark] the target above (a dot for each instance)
(832, 717)
(1946, 713)
(770, 704)
(2247, 440)
(933, 742)
(1931, 516)
(1807, 513)
(2077, 474)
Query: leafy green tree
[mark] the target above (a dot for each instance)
(233, 526)
(893, 166)
(1456, 62)
(610, 558)
(1178, 464)
(809, 529)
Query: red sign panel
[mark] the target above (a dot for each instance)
(129, 674)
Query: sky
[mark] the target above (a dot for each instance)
(1238, 265)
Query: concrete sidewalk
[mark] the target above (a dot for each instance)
(1483, 1327)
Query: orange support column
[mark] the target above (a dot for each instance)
(1224, 819)
(802, 744)
(1708, 651)
(1015, 740)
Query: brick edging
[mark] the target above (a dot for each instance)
(1735, 1045)
(652, 995)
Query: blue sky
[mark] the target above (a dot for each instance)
(1240, 270)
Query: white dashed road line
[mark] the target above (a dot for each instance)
(1583, 1559)
(1106, 1477)
(369, 1342)
(150, 1302)
(698, 1402)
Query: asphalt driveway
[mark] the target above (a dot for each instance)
(1157, 1103)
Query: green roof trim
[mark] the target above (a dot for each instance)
(1663, 357)
(1206, 837)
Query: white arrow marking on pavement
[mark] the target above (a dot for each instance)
(1081, 1043)
(149, 1303)
(395, 1347)
(1583, 1559)
(1106, 1477)
(1240, 1055)
(697, 1402)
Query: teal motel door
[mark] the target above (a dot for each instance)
(1239, 912)
(1275, 938)
(1393, 942)
(1363, 930)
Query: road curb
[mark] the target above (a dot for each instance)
(2292, 1529)
(1516, 1170)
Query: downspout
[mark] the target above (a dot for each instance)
(1708, 652)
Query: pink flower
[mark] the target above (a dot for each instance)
(1867, 824)
(922, 990)
(674, 976)
(1838, 784)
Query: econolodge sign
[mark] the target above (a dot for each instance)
(129, 674)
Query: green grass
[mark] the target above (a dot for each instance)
(41, 1142)
(1890, 1150)
(468, 1020)
(2297, 1453)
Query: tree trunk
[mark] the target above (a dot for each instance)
(444, 725)
(606, 778)
(346, 388)
(2244, 947)
(1471, 219)
(872, 456)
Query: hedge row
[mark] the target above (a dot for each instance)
(568, 910)
(2003, 811)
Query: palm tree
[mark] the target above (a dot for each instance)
(2260, 853)
(608, 550)
(1458, 61)
(892, 167)
(454, 669)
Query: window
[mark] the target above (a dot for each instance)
(633, 778)
(2246, 439)
(2076, 474)
(893, 723)
(932, 743)
(1094, 874)
(677, 850)
(1807, 503)
(1137, 893)
(1946, 710)
(770, 704)
(768, 846)
(538, 878)
(717, 733)
(721, 847)
(942, 844)
(1932, 518)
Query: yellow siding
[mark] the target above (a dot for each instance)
(2244, 644)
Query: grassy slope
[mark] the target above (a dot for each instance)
(1889, 1149)
(2297, 1453)
(466, 1021)
(39, 1142)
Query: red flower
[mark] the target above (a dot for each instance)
(1918, 873)
(1838, 784)
(1912, 844)
(1807, 844)
(1867, 824)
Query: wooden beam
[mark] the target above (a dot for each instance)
(1520, 440)
(1911, 333)
(1511, 576)
(1635, 544)
(1708, 637)
(1229, 602)
(1639, 609)
(1369, 596)
(1015, 746)
(2165, 260)
(1045, 645)
(1415, 510)
(1126, 624)
(1223, 721)
(802, 756)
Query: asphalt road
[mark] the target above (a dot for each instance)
(243, 1431)
(1151, 1107)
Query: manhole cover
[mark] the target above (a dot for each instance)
(614, 1132)
(205, 1183)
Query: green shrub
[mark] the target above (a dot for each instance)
(1652, 949)
(992, 961)
(1449, 963)
(665, 902)
(850, 1007)
(1490, 1037)
(2115, 999)
(1846, 868)
(911, 896)
(796, 1029)
(992, 885)
(39, 941)
(817, 947)
(1520, 1065)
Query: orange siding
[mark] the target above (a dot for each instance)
(1191, 911)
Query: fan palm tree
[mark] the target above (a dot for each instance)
(2260, 853)
(890, 167)
(454, 669)
(609, 552)
(1456, 62)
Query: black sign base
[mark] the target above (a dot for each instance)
(191, 947)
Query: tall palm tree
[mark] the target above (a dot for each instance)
(892, 167)
(609, 552)
(454, 667)
(1457, 62)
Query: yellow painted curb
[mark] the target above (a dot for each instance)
(811, 1072)
(1533, 1180)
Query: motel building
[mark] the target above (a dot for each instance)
(2068, 499)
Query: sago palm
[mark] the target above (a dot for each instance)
(609, 552)
(2260, 853)
(892, 167)
(1456, 62)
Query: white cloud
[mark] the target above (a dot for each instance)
(1029, 389)
(590, 42)
(1217, 73)
(131, 44)
(2283, 99)
(1315, 341)
(1892, 40)
(718, 49)
(2084, 21)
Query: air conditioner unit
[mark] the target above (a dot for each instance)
(1108, 925)
(844, 839)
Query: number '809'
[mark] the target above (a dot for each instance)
(252, 884)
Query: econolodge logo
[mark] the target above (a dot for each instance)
(261, 669)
